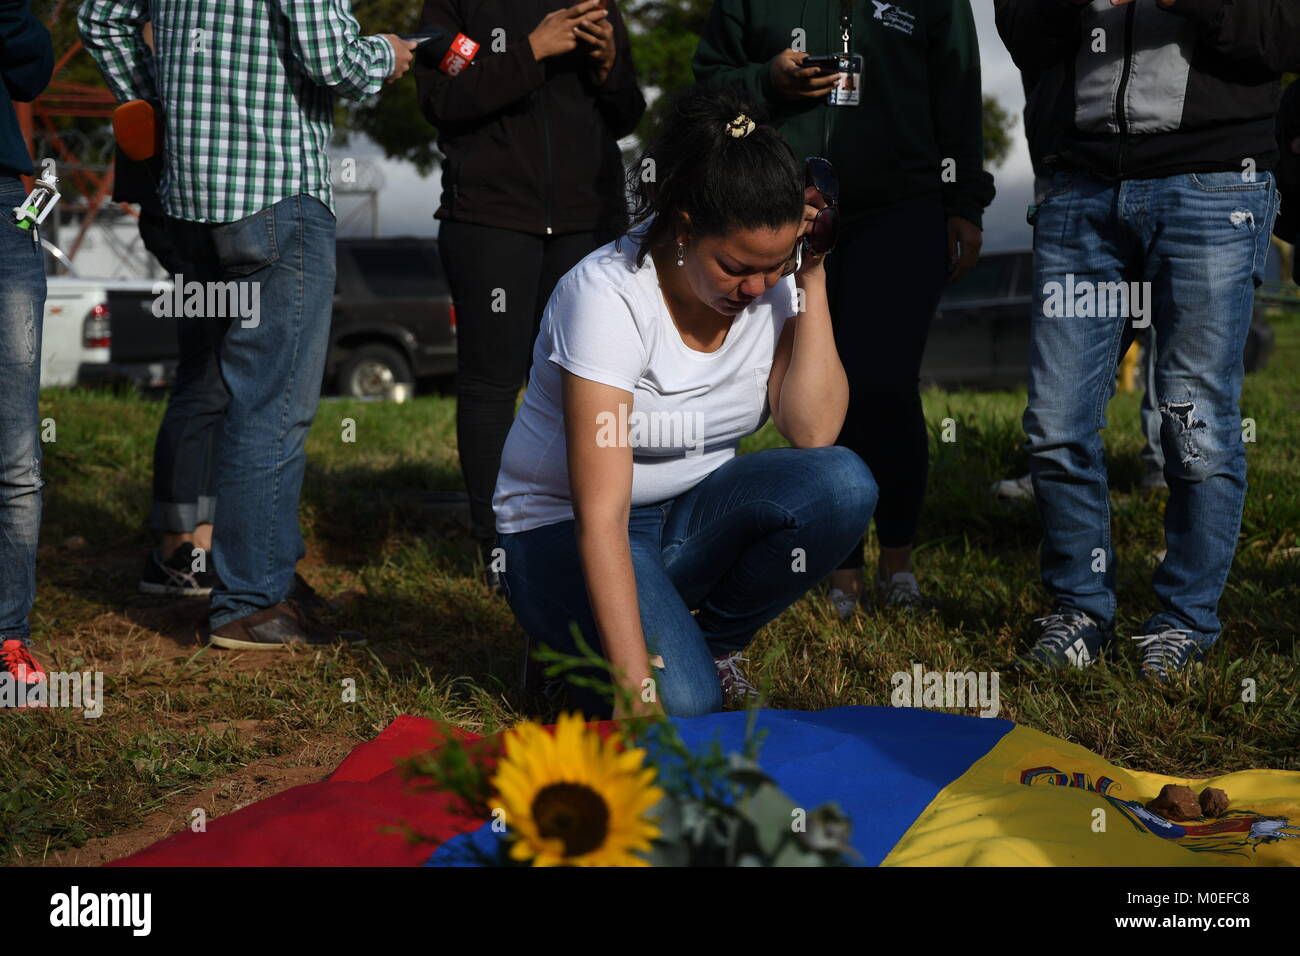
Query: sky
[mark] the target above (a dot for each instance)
(407, 202)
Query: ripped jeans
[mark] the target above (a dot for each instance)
(1190, 250)
(22, 317)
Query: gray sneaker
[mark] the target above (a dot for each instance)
(900, 591)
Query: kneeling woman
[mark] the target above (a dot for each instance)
(621, 503)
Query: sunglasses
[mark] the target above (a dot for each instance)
(820, 238)
(820, 174)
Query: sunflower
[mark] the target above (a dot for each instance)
(571, 799)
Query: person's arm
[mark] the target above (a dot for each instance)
(807, 388)
(597, 345)
(957, 112)
(497, 80)
(600, 486)
(619, 97)
(727, 55)
(1266, 32)
(111, 31)
(1287, 225)
(26, 53)
(327, 43)
(1039, 34)
(721, 58)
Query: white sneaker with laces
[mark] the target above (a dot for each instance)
(735, 688)
(1167, 651)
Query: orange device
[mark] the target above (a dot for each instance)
(138, 129)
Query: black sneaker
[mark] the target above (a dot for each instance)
(1068, 639)
(176, 576)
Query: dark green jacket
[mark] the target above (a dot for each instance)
(921, 97)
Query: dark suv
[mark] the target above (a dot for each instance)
(393, 317)
(980, 334)
(393, 322)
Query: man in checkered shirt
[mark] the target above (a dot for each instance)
(246, 92)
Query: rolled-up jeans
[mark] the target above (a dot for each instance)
(1201, 241)
(272, 365)
(22, 313)
(737, 549)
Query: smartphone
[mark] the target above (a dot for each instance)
(417, 37)
(832, 63)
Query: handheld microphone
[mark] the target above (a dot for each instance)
(458, 49)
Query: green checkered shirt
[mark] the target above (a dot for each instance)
(247, 89)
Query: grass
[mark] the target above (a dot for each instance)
(180, 718)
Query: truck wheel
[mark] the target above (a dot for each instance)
(369, 370)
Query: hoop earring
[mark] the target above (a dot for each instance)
(681, 254)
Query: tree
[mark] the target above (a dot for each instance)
(393, 118)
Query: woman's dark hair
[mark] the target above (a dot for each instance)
(723, 182)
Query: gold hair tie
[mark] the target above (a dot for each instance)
(741, 126)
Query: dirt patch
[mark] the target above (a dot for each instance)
(145, 643)
(312, 762)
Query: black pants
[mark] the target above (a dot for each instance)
(185, 451)
(884, 280)
(500, 282)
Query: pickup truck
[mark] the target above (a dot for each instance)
(393, 323)
(76, 340)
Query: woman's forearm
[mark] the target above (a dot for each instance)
(611, 589)
(815, 390)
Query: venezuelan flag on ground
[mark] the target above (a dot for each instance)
(921, 788)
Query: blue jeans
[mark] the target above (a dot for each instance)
(1153, 455)
(22, 314)
(738, 549)
(272, 369)
(1201, 241)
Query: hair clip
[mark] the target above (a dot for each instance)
(741, 126)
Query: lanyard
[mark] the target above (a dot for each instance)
(846, 20)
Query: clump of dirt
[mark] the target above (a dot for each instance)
(1213, 802)
(1176, 803)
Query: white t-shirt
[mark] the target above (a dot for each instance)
(607, 321)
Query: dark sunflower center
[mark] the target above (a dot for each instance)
(572, 813)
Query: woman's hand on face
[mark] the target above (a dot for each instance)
(813, 203)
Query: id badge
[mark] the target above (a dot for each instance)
(849, 91)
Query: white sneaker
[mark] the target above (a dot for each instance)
(1014, 489)
(735, 688)
(844, 602)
